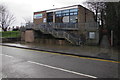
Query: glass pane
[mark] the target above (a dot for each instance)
(60, 15)
(73, 19)
(58, 12)
(65, 11)
(67, 14)
(63, 14)
(57, 15)
(71, 13)
(73, 10)
(50, 14)
(75, 13)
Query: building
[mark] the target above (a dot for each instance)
(75, 24)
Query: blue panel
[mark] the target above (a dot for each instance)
(37, 16)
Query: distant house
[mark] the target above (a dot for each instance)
(75, 24)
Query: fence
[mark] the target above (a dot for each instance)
(63, 25)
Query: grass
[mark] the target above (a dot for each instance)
(10, 34)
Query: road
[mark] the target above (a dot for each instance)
(24, 63)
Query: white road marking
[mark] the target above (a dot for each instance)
(61, 69)
(8, 55)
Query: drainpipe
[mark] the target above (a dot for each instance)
(53, 19)
(85, 15)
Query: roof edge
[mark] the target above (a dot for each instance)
(64, 7)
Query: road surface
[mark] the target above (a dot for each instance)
(24, 63)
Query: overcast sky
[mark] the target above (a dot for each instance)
(25, 8)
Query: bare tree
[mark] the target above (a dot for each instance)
(28, 22)
(98, 8)
(6, 19)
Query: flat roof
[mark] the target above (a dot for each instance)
(63, 8)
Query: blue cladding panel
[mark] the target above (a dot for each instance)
(37, 16)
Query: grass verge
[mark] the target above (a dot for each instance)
(10, 34)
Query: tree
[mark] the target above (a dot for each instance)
(109, 15)
(28, 22)
(99, 9)
(113, 20)
(6, 18)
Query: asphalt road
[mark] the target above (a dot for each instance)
(24, 63)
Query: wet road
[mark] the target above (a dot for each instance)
(23, 63)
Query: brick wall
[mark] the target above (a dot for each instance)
(29, 36)
(40, 20)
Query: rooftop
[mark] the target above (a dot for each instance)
(63, 8)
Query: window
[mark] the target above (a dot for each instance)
(73, 19)
(58, 12)
(50, 17)
(75, 13)
(58, 20)
(68, 15)
(65, 19)
(58, 15)
(65, 14)
(71, 14)
(74, 10)
(91, 35)
(50, 14)
(65, 11)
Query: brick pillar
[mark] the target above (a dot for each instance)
(29, 36)
(22, 36)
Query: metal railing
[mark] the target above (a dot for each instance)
(71, 25)
(72, 39)
(50, 28)
(90, 25)
(59, 34)
(63, 25)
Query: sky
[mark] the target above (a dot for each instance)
(23, 9)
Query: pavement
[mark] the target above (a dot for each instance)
(106, 53)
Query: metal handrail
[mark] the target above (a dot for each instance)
(58, 34)
(48, 28)
(64, 25)
(72, 25)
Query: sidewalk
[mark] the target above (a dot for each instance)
(83, 51)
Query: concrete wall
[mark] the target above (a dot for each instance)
(87, 16)
(22, 36)
(51, 41)
(29, 36)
